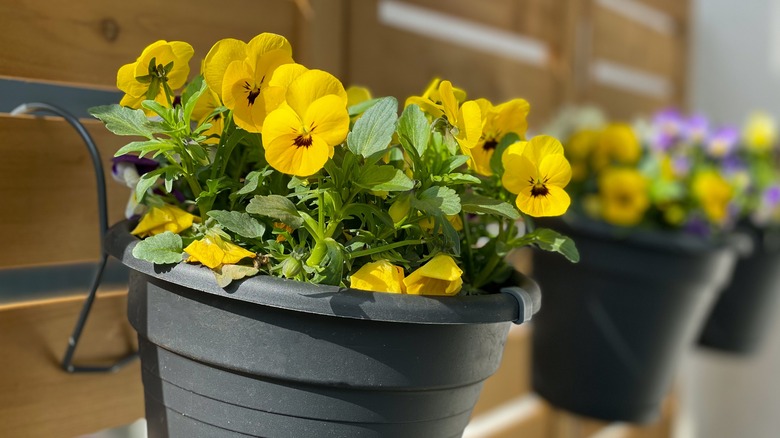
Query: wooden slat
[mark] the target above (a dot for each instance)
(49, 208)
(623, 40)
(533, 18)
(680, 9)
(321, 37)
(399, 63)
(624, 105)
(37, 398)
(512, 379)
(85, 42)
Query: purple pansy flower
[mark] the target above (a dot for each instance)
(722, 142)
(696, 128)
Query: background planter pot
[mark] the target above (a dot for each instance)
(275, 358)
(615, 325)
(742, 314)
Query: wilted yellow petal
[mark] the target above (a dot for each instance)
(160, 219)
(379, 276)
(213, 252)
(440, 276)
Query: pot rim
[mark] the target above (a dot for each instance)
(665, 241)
(508, 306)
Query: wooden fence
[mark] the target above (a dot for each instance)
(628, 59)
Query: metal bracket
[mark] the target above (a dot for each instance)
(67, 361)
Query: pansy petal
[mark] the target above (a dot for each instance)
(555, 170)
(426, 105)
(312, 85)
(264, 65)
(469, 124)
(554, 203)
(511, 117)
(281, 121)
(182, 53)
(519, 172)
(221, 55)
(448, 101)
(379, 276)
(328, 118)
(205, 252)
(480, 159)
(266, 42)
(541, 146)
(284, 155)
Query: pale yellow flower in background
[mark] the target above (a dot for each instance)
(440, 276)
(624, 196)
(357, 94)
(760, 132)
(578, 150)
(204, 107)
(161, 219)
(617, 143)
(212, 251)
(714, 194)
(379, 276)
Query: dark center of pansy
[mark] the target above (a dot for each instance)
(490, 145)
(623, 199)
(303, 141)
(253, 92)
(539, 187)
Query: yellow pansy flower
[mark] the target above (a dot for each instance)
(160, 63)
(379, 276)
(301, 134)
(161, 219)
(466, 118)
(497, 121)
(537, 171)
(617, 143)
(578, 150)
(213, 252)
(440, 276)
(206, 104)
(714, 194)
(431, 102)
(623, 195)
(760, 132)
(356, 95)
(428, 223)
(239, 73)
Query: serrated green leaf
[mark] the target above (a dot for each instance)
(239, 222)
(160, 249)
(276, 207)
(229, 273)
(373, 132)
(550, 240)
(472, 203)
(436, 200)
(156, 107)
(251, 182)
(142, 148)
(384, 178)
(495, 161)
(124, 121)
(414, 131)
(459, 178)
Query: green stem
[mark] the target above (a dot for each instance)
(469, 261)
(369, 251)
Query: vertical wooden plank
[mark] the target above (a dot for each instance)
(321, 37)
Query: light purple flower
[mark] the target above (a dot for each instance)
(667, 128)
(696, 128)
(722, 142)
(681, 165)
(771, 196)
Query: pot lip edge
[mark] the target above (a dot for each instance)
(384, 307)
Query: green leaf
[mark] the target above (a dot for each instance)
(161, 248)
(437, 199)
(142, 148)
(327, 257)
(146, 182)
(164, 112)
(553, 241)
(191, 94)
(495, 161)
(458, 178)
(171, 174)
(276, 207)
(124, 121)
(414, 131)
(361, 107)
(373, 132)
(472, 203)
(239, 222)
(454, 162)
(251, 182)
(384, 178)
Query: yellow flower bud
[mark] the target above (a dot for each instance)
(400, 208)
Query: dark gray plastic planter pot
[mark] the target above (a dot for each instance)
(615, 325)
(276, 358)
(741, 317)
